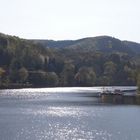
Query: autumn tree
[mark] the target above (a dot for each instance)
(85, 76)
(2, 72)
(67, 75)
(23, 74)
(109, 70)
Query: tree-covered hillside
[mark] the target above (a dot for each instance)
(86, 62)
(105, 44)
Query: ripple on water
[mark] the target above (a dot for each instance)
(63, 123)
(62, 132)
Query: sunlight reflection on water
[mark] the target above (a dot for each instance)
(50, 114)
(66, 123)
(66, 112)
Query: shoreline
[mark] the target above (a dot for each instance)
(131, 96)
(20, 86)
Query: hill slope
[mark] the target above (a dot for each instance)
(104, 44)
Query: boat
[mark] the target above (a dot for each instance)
(116, 91)
(112, 96)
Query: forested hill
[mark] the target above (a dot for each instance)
(100, 43)
(86, 62)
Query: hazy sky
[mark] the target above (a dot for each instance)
(71, 19)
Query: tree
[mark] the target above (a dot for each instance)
(52, 79)
(23, 74)
(13, 70)
(2, 72)
(109, 70)
(129, 74)
(67, 75)
(104, 81)
(37, 78)
(138, 83)
(85, 77)
(115, 58)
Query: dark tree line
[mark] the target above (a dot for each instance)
(24, 62)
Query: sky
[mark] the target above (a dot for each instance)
(70, 19)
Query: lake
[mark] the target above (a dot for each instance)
(65, 114)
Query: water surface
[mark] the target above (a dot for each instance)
(65, 114)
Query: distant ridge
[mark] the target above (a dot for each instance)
(99, 43)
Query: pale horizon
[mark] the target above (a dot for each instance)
(70, 20)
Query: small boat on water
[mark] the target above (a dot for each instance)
(112, 96)
(112, 92)
(117, 96)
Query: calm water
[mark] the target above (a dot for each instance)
(65, 114)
